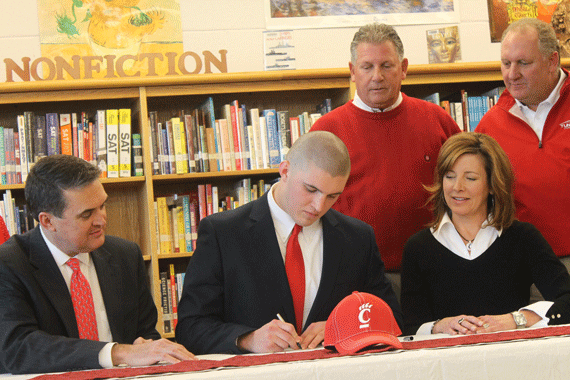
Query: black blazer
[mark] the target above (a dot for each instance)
(38, 329)
(236, 280)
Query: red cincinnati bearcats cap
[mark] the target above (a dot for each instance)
(361, 320)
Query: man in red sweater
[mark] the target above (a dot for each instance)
(531, 122)
(393, 141)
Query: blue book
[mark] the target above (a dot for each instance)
(272, 138)
(52, 129)
(187, 223)
(210, 119)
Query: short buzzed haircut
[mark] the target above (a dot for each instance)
(547, 40)
(376, 34)
(50, 176)
(324, 150)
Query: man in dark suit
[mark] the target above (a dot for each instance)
(237, 286)
(39, 329)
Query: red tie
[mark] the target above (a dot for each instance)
(82, 303)
(295, 268)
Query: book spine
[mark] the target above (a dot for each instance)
(179, 138)
(75, 146)
(264, 142)
(245, 144)
(193, 224)
(17, 160)
(125, 142)
(170, 145)
(212, 155)
(187, 223)
(174, 298)
(180, 228)
(179, 284)
(284, 133)
(209, 116)
(23, 148)
(138, 169)
(225, 141)
(52, 127)
(272, 138)
(101, 134)
(294, 122)
(236, 135)
(202, 201)
(112, 143)
(2, 158)
(165, 160)
(164, 302)
(87, 156)
(30, 131)
(254, 116)
(154, 149)
(9, 149)
(204, 149)
(164, 226)
(209, 200)
(40, 138)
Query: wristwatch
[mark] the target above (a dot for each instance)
(520, 319)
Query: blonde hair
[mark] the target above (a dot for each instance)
(323, 149)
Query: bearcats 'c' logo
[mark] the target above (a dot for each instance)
(363, 317)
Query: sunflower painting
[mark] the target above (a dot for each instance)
(111, 28)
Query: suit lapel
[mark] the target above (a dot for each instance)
(50, 279)
(333, 244)
(261, 225)
(109, 276)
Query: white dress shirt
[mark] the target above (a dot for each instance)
(363, 106)
(88, 269)
(448, 236)
(311, 242)
(536, 119)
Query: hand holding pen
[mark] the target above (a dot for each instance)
(274, 336)
(295, 336)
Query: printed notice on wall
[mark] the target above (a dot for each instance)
(279, 50)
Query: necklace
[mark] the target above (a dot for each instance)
(469, 242)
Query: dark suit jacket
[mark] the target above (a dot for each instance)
(38, 329)
(236, 280)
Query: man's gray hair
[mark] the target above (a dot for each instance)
(376, 34)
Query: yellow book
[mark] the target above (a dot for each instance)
(164, 226)
(125, 143)
(113, 143)
(181, 228)
(179, 138)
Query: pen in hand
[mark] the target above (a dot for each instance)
(282, 320)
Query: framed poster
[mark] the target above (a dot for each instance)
(504, 12)
(298, 14)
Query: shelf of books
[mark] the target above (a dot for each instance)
(195, 145)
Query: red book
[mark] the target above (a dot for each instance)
(174, 298)
(65, 133)
(202, 202)
(234, 111)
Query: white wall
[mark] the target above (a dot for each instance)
(237, 26)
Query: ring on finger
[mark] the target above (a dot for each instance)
(460, 320)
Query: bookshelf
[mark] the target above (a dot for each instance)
(130, 207)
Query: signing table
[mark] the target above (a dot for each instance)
(523, 354)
